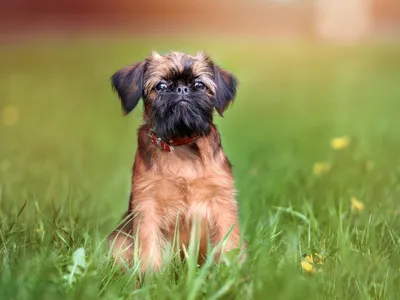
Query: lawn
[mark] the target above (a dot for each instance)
(66, 154)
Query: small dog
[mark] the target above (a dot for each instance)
(181, 173)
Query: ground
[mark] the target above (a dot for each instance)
(320, 216)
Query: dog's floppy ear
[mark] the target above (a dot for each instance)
(128, 83)
(225, 90)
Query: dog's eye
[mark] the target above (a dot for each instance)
(199, 85)
(162, 86)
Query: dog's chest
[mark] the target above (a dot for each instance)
(182, 181)
(181, 165)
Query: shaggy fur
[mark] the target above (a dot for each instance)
(194, 181)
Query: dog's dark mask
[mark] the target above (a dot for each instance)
(180, 92)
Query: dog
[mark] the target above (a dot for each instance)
(181, 174)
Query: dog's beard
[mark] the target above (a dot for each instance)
(177, 116)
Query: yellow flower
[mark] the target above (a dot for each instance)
(309, 262)
(10, 115)
(307, 266)
(37, 230)
(356, 204)
(320, 168)
(340, 143)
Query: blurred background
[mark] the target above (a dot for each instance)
(312, 19)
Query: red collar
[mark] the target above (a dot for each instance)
(169, 146)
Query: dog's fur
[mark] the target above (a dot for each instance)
(194, 181)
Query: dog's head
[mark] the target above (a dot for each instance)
(179, 91)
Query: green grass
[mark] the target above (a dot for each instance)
(65, 171)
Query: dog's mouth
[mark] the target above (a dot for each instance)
(181, 116)
(181, 102)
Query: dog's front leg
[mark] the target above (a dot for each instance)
(151, 242)
(122, 242)
(225, 217)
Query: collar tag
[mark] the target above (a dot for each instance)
(159, 143)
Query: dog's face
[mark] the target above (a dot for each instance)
(180, 92)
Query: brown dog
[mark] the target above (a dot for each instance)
(181, 172)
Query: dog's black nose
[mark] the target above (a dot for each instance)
(182, 90)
